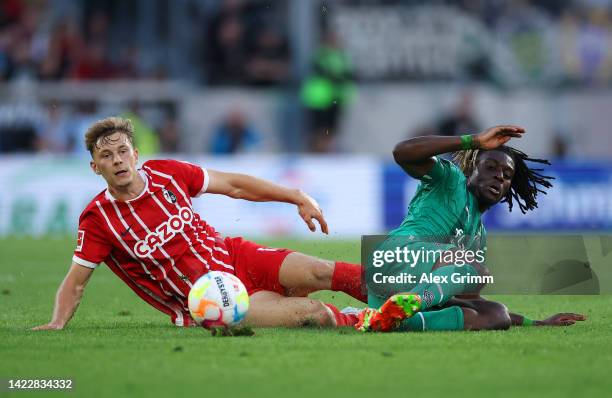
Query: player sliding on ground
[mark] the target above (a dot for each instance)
(446, 213)
(144, 228)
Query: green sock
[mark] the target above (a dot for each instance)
(450, 318)
(437, 293)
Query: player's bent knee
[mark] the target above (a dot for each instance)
(497, 315)
(486, 315)
(322, 271)
(501, 322)
(300, 271)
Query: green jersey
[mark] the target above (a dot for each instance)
(443, 215)
(443, 210)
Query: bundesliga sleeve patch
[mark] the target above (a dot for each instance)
(80, 240)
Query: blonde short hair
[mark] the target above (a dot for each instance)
(104, 128)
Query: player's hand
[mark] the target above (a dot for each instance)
(497, 136)
(48, 326)
(563, 319)
(309, 209)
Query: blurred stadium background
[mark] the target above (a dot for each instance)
(312, 94)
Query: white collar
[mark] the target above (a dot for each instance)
(110, 197)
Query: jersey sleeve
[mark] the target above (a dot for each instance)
(443, 172)
(92, 246)
(194, 177)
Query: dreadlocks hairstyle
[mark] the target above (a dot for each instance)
(526, 183)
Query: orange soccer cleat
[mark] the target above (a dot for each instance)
(397, 308)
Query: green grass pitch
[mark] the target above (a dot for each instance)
(119, 346)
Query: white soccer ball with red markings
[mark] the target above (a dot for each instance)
(218, 299)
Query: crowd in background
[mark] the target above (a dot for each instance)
(246, 43)
(577, 35)
(37, 44)
(234, 42)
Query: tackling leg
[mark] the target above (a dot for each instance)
(455, 314)
(301, 275)
(270, 309)
(462, 314)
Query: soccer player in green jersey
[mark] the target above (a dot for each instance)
(445, 214)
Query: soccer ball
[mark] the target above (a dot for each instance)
(218, 299)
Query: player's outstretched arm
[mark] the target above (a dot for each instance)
(241, 186)
(415, 154)
(68, 297)
(561, 319)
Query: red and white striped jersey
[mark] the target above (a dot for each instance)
(155, 242)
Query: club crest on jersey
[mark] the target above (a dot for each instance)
(169, 196)
(163, 233)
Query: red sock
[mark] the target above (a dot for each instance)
(343, 319)
(347, 279)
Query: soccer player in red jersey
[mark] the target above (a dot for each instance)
(144, 228)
